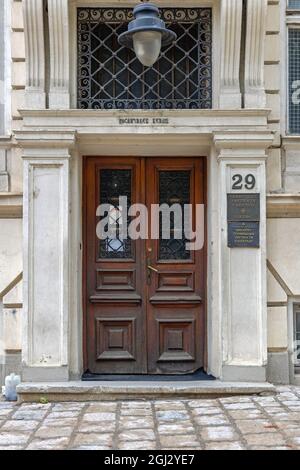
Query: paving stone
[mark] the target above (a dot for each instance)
(13, 438)
(169, 406)
(6, 448)
(235, 400)
(135, 412)
(68, 407)
(268, 439)
(214, 420)
(255, 426)
(52, 431)
(97, 428)
(295, 441)
(91, 448)
(136, 404)
(224, 446)
(239, 406)
(63, 414)
(98, 417)
(138, 445)
(201, 403)
(218, 433)
(29, 414)
(176, 428)
(206, 411)
(48, 444)
(139, 434)
(102, 407)
(246, 414)
(60, 422)
(7, 404)
(135, 423)
(82, 439)
(35, 406)
(174, 442)
(172, 415)
(4, 412)
(20, 425)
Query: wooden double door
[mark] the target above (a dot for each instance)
(144, 298)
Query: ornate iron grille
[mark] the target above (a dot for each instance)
(110, 76)
(174, 188)
(113, 184)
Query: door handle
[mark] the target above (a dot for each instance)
(152, 269)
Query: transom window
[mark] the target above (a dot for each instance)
(110, 76)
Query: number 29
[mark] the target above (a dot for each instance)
(248, 182)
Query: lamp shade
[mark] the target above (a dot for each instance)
(146, 34)
(147, 46)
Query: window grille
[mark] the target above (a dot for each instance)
(294, 4)
(110, 76)
(294, 81)
(297, 337)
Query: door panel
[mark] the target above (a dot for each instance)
(115, 301)
(175, 311)
(144, 306)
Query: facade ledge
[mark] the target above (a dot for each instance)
(283, 205)
(11, 205)
(228, 128)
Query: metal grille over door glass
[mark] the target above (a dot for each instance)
(110, 76)
(174, 189)
(113, 184)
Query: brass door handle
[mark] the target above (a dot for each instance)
(152, 269)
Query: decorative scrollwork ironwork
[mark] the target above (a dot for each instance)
(110, 76)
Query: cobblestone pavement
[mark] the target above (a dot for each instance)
(270, 422)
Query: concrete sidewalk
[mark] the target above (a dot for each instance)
(241, 422)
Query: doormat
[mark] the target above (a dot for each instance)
(196, 376)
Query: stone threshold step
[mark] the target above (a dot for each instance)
(99, 391)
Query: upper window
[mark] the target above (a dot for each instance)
(294, 4)
(294, 80)
(110, 76)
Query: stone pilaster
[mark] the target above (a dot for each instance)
(59, 96)
(230, 40)
(255, 96)
(35, 97)
(45, 352)
(242, 270)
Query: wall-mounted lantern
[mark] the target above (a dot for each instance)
(147, 34)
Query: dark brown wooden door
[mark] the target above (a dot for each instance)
(144, 299)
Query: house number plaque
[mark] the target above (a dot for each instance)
(243, 217)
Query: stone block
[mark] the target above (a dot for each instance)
(274, 170)
(17, 102)
(17, 16)
(273, 18)
(277, 327)
(272, 77)
(272, 48)
(278, 368)
(18, 74)
(273, 103)
(17, 45)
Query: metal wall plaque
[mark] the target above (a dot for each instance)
(243, 234)
(243, 207)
